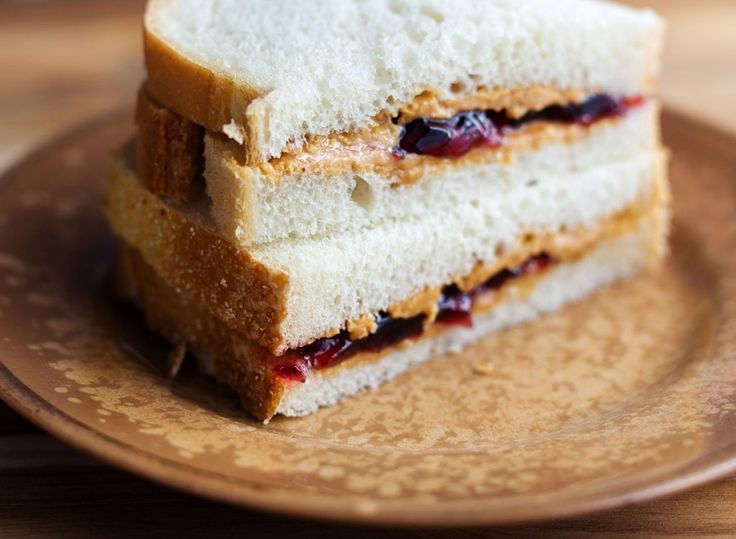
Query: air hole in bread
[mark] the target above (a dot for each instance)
(362, 194)
(458, 87)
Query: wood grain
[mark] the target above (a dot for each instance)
(66, 61)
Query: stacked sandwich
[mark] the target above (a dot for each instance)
(326, 193)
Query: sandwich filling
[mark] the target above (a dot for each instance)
(456, 136)
(454, 308)
(405, 153)
(403, 148)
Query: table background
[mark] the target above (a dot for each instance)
(65, 61)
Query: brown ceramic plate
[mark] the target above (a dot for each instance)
(623, 397)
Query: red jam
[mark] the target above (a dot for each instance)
(456, 136)
(323, 353)
(455, 308)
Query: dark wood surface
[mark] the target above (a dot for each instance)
(63, 62)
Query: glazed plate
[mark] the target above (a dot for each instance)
(628, 395)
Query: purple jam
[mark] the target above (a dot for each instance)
(453, 137)
(455, 309)
(330, 351)
(456, 136)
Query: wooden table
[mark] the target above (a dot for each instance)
(62, 62)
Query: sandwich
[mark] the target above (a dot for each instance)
(322, 195)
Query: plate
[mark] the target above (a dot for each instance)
(628, 395)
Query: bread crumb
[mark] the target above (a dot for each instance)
(234, 131)
(362, 327)
(484, 369)
(176, 359)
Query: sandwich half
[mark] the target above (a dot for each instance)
(310, 217)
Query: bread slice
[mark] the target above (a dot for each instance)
(252, 205)
(230, 356)
(271, 73)
(288, 293)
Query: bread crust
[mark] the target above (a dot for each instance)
(169, 152)
(207, 97)
(218, 350)
(239, 289)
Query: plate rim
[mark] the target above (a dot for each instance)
(456, 513)
(147, 465)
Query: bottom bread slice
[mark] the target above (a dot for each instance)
(230, 357)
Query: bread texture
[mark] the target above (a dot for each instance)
(234, 359)
(271, 73)
(287, 293)
(251, 207)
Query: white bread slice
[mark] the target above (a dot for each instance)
(229, 356)
(272, 72)
(250, 207)
(287, 293)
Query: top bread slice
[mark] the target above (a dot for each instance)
(272, 73)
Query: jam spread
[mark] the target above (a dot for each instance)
(455, 308)
(456, 136)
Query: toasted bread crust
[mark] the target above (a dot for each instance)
(191, 90)
(208, 98)
(240, 290)
(169, 152)
(229, 356)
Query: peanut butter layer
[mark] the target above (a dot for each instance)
(516, 101)
(371, 151)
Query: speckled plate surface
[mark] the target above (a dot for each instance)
(623, 397)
